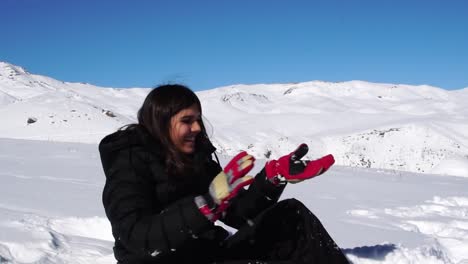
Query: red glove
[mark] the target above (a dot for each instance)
(225, 186)
(291, 168)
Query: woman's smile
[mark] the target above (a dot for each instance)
(185, 126)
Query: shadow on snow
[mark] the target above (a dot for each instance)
(377, 252)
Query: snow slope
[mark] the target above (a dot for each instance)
(388, 126)
(72, 112)
(400, 127)
(51, 210)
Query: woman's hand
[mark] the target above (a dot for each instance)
(225, 186)
(290, 168)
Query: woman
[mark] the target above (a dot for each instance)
(164, 192)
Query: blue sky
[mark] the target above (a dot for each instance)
(212, 43)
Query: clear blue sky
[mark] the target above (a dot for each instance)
(211, 43)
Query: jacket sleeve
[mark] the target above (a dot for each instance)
(129, 205)
(249, 203)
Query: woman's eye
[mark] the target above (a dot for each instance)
(189, 121)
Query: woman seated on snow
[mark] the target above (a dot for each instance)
(164, 192)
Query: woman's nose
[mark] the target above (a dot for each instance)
(196, 126)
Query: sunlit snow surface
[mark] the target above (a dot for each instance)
(370, 125)
(51, 210)
(374, 202)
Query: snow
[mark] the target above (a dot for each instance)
(457, 166)
(52, 212)
(397, 193)
(374, 125)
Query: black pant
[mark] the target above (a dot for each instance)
(287, 232)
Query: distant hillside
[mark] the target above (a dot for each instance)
(387, 126)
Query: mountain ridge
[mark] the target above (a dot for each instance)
(376, 125)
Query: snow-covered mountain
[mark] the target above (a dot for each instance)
(50, 209)
(388, 126)
(38, 107)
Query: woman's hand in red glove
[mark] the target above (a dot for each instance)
(290, 168)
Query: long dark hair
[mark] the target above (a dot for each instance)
(160, 105)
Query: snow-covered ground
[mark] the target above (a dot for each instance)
(397, 194)
(51, 211)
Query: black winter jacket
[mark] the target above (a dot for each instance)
(154, 218)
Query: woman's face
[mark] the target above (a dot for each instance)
(184, 128)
